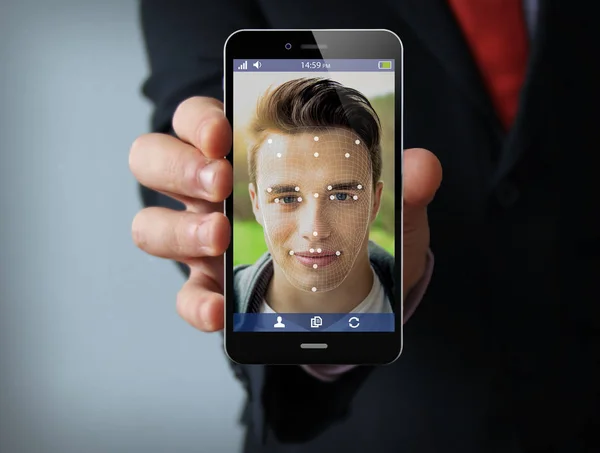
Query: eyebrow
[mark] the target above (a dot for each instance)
(282, 188)
(351, 185)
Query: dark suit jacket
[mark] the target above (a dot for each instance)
(502, 354)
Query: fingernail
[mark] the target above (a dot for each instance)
(207, 178)
(205, 312)
(204, 234)
(205, 138)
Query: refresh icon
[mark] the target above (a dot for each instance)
(354, 322)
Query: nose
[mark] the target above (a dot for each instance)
(313, 219)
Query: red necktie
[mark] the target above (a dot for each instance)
(496, 34)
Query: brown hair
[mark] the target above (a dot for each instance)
(311, 104)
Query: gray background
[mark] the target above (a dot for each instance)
(93, 357)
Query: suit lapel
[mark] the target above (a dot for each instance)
(434, 24)
(523, 131)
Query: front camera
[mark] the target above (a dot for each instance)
(288, 46)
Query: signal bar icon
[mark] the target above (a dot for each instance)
(244, 65)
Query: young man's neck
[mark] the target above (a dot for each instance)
(283, 297)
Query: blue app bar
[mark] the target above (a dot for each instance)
(313, 322)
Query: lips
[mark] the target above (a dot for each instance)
(325, 258)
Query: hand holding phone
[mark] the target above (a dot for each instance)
(200, 235)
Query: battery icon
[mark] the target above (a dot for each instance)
(385, 65)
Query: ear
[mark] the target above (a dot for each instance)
(376, 200)
(255, 203)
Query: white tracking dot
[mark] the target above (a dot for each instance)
(311, 250)
(270, 141)
(355, 197)
(299, 198)
(316, 138)
(315, 233)
(314, 289)
(316, 154)
(269, 189)
(332, 197)
(276, 200)
(347, 155)
(297, 189)
(359, 186)
(316, 195)
(338, 253)
(291, 252)
(278, 154)
(315, 266)
(329, 187)
(357, 142)
(319, 250)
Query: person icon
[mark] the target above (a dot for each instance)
(279, 324)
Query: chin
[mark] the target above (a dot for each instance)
(309, 283)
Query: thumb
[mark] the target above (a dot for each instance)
(422, 175)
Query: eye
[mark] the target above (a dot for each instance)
(341, 196)
(289, 199)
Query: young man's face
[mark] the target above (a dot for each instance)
(315, 200)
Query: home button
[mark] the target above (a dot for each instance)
(313, 345)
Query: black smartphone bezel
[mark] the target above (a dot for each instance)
(364, 348)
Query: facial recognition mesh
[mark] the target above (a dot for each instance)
(315, 197)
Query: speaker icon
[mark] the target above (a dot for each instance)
(257, 64)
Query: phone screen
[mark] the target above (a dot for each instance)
(314, 208)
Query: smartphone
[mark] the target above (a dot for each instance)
(314, 269)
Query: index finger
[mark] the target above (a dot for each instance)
(201, 122)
